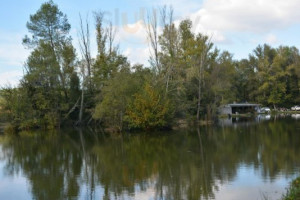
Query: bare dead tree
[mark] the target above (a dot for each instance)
(83, 75)
(152, 34)
(168, 25)
(85, 65)
(84, 43)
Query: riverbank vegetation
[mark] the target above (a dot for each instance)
(293, 192)
(187, 77)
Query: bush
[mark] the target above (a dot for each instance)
(149, 110)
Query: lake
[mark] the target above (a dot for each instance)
(236, 159)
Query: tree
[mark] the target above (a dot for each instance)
(149, 110)
(219, 81)
(85, 65)
(199, 50)
(108, 60)
(187, 78)
(169, 43)
(118, 93)
(50, 66)
(48, 24)
(152, 35)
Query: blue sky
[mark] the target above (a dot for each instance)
(235, 25)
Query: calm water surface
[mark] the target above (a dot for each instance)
(238, 159)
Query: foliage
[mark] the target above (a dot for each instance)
(117, 94)
(148, 110)
(50, 82)
(48, 24)
(186, 70)
(293, 192)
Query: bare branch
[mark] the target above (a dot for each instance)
(111, 33)
(152, 34)
(84, 44)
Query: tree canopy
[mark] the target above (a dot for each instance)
(188, 77)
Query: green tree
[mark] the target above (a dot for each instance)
(199, 50)
(117, 95)
(269, 76)
(168, 55)
(148, 110)
(50, 67)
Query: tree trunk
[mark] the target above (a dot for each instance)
(81, 106)
(199, 87)
(199, 99)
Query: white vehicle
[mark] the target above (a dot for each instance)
(295, 108)
(264, 110)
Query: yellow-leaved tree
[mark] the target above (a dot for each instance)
(149, 110)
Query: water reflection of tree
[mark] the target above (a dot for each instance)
(187, 165)
(50, 165)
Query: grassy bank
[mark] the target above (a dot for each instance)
(293, 192)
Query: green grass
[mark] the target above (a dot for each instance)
(293, 192)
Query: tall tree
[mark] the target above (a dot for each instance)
(49, 25)
(85, 64)
(200, 49)
(152, 35)
(169, 43)
(50, 66)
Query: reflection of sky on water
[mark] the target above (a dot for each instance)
(13, 187)
(139, 194)
(249, 185)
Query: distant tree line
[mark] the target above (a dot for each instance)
(188, 77)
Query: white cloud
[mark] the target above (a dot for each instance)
(271, 39)
(12, 57)
(133, 38)
(219, 16)
(256, 16)
(137, 55)
(10, 77)
(12, 52)
(216, 18)
(181, 7)
(217, 35)
(132, 34)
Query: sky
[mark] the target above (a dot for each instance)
(237, 26)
